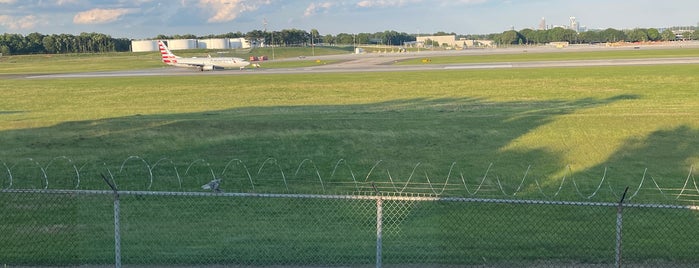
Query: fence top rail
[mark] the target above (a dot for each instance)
(355, 196)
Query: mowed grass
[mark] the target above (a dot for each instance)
(559, 55)
(579, 123)
(570, 122)
(71, 63)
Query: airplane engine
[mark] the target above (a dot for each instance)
(208, 68)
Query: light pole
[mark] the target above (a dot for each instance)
(272, 32)
(313, 47)
(354, 43)
(417, 42)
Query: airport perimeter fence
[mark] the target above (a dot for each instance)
(90, 228)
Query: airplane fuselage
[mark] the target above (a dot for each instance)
(203, 64)
(211, 62)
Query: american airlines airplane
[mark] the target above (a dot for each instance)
(203, 64)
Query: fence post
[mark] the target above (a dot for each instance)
(117, 231)
(619, 219)
(379, 227)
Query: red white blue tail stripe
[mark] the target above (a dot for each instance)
(168, 57)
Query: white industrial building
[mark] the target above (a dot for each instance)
(214, 43)
(239, 43)
(180, 44)
(448, 40)
(144, 45)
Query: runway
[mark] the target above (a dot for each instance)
(353, 63)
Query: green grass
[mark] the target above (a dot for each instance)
(623, 119)
(294, 52)
(69, 63)
(557, 56)
(66, 63)
(294, 64)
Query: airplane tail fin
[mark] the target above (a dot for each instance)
(168, 57)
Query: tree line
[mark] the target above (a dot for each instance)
(610, 35)
(295, 37)
(36, 43)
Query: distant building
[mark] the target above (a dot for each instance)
(467, 43)
(144, 45)
(215, 43)
(574, 24)
(542, 24)
(180, 44)
(448, 40)
(239, 43)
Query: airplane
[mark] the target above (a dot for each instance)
(203, 64)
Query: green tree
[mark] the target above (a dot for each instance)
(590, 37)
(345, 39)
(612, 35)
(637, 35)
(557, 34)
(668, 35)
(315, 36)
(511, 37)
(654, 34)
(329, 39)
(33, 43)
(529, 36)
(362, 38)
(49, 43)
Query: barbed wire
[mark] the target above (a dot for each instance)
(455, 181)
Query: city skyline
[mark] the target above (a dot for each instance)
(149, 18)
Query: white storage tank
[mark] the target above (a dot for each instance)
(144, 45)
(214, 43)
(239, 43)
(235, 43)
(179, 44)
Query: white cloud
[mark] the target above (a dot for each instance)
(385, 3)
(99, 16)
(314, 8)
(228, 10)
(66, 2)
(8, 1)
(18, 23)
(473, 1)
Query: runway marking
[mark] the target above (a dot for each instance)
(478, 67)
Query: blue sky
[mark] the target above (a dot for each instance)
(148, 18)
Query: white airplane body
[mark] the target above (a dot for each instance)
(203, 64)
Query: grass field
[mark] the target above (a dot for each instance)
(573, 122)
(524, 55)
(625, 119)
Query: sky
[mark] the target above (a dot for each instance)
(136, 19)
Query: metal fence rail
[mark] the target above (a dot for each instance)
(77, 227)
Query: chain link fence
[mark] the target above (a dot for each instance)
(159, 215)
(367, 229)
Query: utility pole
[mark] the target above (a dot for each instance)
(272, 42)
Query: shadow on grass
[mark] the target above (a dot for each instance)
(661, 166)
(432, 146)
